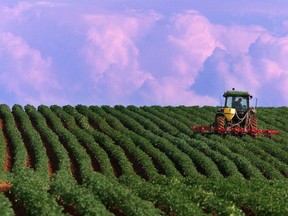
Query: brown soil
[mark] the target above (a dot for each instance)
(53, 164)
(30, 160)
(165, 209)
(1, 123)
(8, 156)
(50, 168)
(161, 169)
(4, 186)
(116, 211)
(114, 162)
(137, 167)
(18, 208)
(8, 151)
(117, 170)
(94, 162)
(74, 164)
(68, 209)
(116, 166)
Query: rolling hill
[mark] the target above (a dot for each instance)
(81, 160)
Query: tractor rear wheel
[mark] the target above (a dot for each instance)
(220, 122)
(254, 122)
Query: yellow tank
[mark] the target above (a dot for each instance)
(229, 113)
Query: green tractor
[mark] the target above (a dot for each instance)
(236, 117)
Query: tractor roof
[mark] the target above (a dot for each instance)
(236, 93)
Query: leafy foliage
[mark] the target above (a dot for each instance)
(91, 160)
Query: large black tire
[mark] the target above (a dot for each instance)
(220, 122)
(254, 122)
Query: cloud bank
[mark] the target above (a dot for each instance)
(24, 71)
(71, 54)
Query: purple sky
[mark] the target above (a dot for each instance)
(144, 52)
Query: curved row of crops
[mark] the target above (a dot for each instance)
(137, 161)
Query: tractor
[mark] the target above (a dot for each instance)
(236, 117)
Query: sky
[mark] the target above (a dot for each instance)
(144, 52)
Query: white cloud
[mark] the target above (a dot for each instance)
(236, 40)
(24, 73)
(170, 91)
(112, 52)
(272, 48)
(191, 39)
(270, 55)
(254, 61)
(253, 57)
(191, 34)
(18, 11)
(114, 44)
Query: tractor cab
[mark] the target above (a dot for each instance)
(237, 100)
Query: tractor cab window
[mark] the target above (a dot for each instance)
(239, 103)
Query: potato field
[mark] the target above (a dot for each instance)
(102, 160)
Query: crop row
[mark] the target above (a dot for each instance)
(138, 161)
